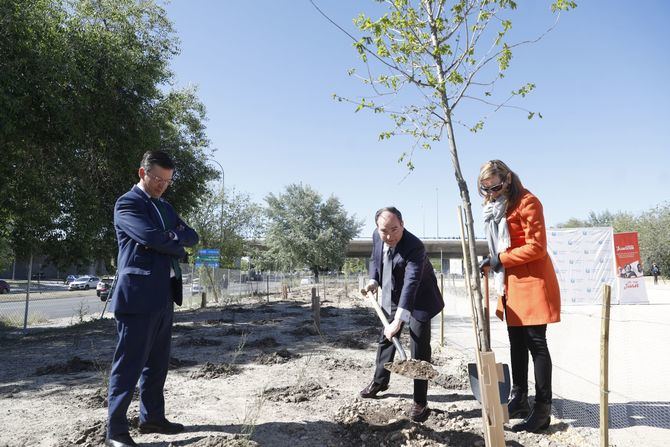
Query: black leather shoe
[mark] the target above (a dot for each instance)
(165, 427)
(538, 420)
(372, 390)
(518, 404)
(120, 440)
(418, 412)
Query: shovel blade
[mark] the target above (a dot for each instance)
(504, 386)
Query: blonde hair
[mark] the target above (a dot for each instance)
(513, 187)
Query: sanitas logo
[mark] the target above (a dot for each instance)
(624, 247)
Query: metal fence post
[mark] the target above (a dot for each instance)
(25, 313)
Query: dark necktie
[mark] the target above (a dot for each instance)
(164, 222)
(387, 281)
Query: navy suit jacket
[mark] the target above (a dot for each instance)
(145, 254)
(414, 284)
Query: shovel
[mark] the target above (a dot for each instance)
(412, 368)
(504, 386)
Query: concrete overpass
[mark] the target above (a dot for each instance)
(435, 247)
(446, 248)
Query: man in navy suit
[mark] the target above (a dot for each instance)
(409, 295)
(151, 239)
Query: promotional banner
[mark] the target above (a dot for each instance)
(583, 260)
(629, 269)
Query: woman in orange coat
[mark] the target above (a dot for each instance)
(529, 295)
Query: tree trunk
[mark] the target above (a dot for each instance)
(475, 285)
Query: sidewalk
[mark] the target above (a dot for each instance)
(638, 368)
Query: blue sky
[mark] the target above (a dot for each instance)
(266, 71)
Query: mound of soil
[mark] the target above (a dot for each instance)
(305, 330)
(333, 363)
(219, 321)
(371, 332)
(212, 371)
(265, 342)
(281, 356)
(296, 393)
(328, 311)
(235, 330)
(96, 400)
(367, 320)
(202, 341)
(176, 363)
(184, 327)
(370, 423)
(451, 382)
(74, 365)
(89, 435)
(221, 441)
(348, 341)
(267, 321)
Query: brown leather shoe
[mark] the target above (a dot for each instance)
(371, 390)
(418, 412)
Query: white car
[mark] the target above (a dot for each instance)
(84, 282)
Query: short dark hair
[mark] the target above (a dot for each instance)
(160, 158)
(390, 209)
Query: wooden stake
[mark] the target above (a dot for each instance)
(442, 311)
(316, 309)
(604, 366)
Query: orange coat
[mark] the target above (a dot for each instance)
(532, 293)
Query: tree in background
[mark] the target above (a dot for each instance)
(82, 96)
(354, 265)
(432, 55)
(303, 230)
(229, 223)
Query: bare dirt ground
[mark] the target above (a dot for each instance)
(247, 373)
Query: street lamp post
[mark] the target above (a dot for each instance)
(222, 195)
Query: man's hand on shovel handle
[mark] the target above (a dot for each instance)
(392, 329)
(370, 287)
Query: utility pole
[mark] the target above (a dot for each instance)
(437, 212)
(222, 197)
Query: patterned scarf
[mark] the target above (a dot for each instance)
(497, 235)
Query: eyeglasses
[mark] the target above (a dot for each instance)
(159, 180)
(494, 188)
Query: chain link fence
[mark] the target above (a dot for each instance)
(52, 303)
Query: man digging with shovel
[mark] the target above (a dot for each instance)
(409, 295)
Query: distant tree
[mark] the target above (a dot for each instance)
(303, 230)
(432, 55)
(620, 221)
(354, 265)
(230, 232)
(654, 237)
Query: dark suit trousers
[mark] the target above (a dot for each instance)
(420, 348)
(142, 353)
(534, 339)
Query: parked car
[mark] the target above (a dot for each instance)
(4, 287)
(69, 279)
(84, 282)
(103, 287)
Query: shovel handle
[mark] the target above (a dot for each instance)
(385, 322)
